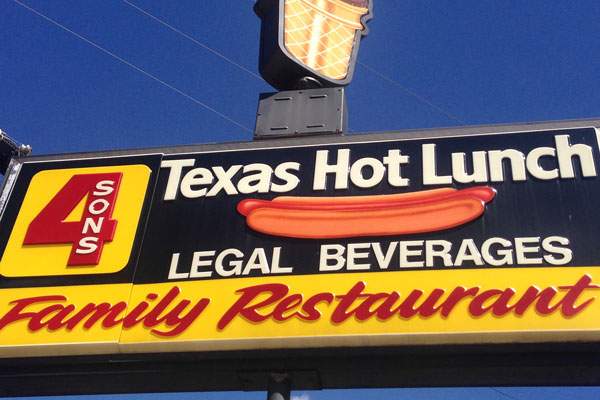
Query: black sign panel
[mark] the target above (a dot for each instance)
(540, 215)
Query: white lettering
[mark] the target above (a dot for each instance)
(353, 254)
(87, 245)
(198, 262)
(340, 169)
(173, 274)
(332, 252)
(196, 177)
(95, 226)
(103, 206)
(291, 181)
(175, 169)
(357, 172)
(430, 176)
(104, 188)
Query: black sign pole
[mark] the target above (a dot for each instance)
(279, 387)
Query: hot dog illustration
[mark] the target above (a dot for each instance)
(379, 215)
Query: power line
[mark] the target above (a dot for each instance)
(503, 394)
(421, 98)
(204, 46)
(135, 67)
(424, 100)
(208, 48)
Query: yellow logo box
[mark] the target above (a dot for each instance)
(76, 221)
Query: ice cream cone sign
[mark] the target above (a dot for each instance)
(311, 43)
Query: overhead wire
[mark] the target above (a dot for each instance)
(407, 90)
(227, 59)
(135, 67)
(424, 100)
(508, 396)
(204, 46)
(373, 70)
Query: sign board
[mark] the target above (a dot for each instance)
(316, 40)
(338, 243)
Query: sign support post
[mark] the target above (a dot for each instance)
(279, 387)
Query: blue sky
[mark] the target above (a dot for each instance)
(424, 65)
(483, 62)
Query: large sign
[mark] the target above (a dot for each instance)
(488, 238)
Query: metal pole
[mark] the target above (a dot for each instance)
(279, 387)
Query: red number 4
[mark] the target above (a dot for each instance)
(87, 235)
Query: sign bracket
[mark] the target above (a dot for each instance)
(301, 113)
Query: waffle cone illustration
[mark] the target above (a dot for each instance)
(310, 43)
(321, 34)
